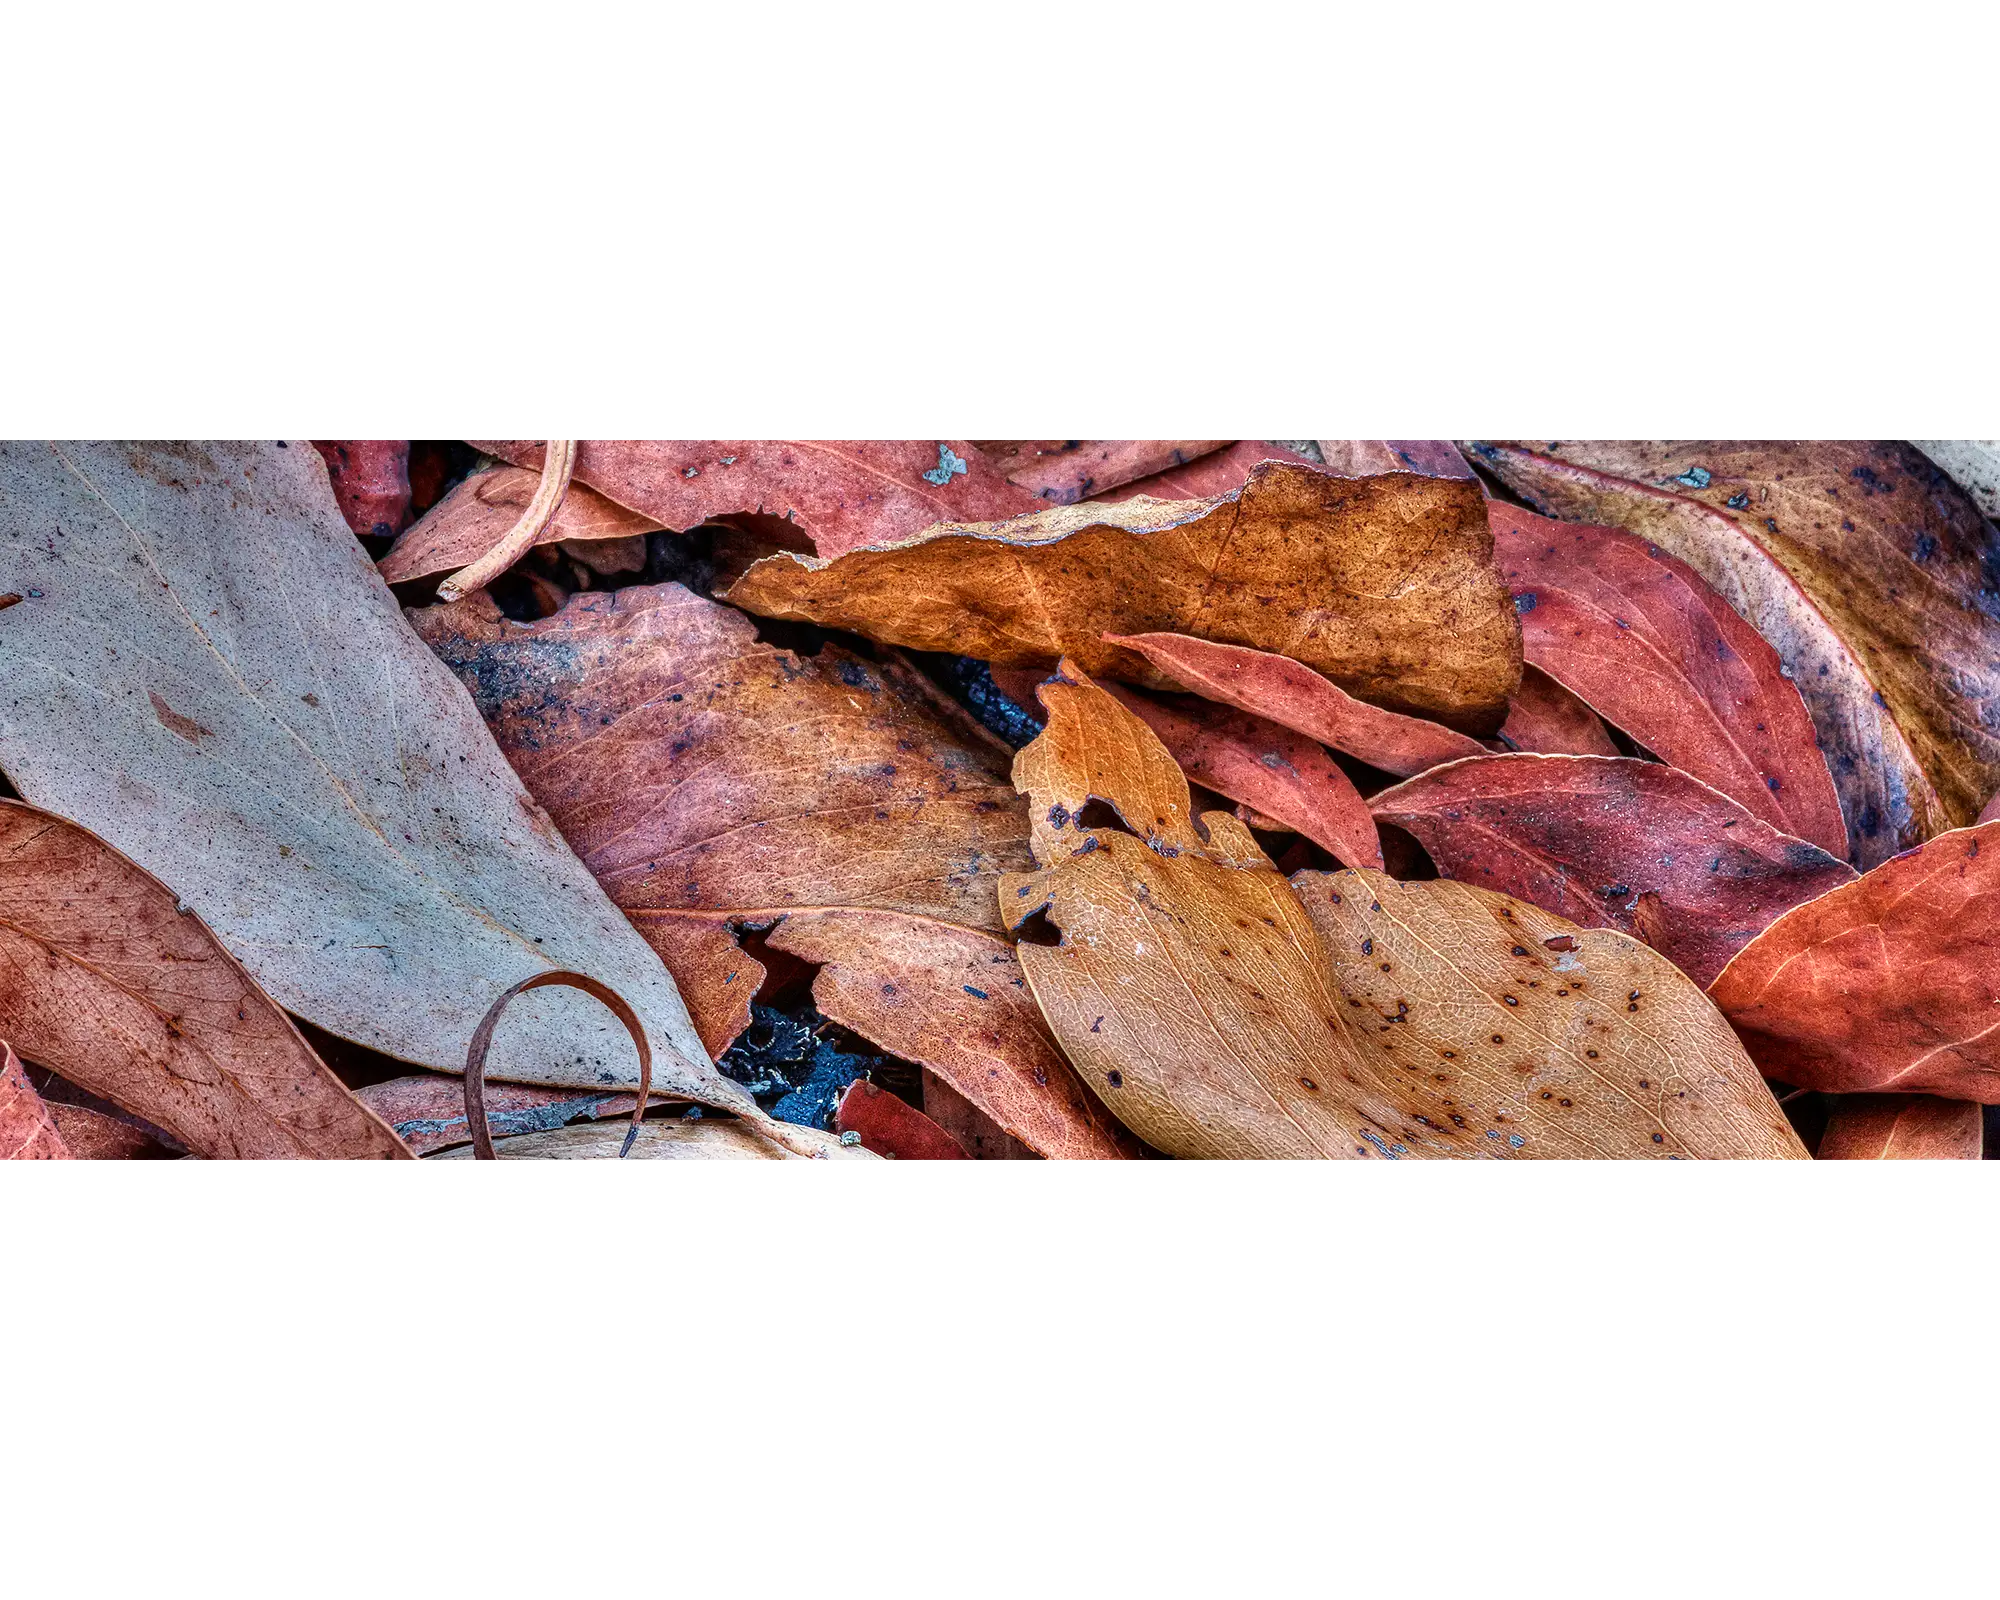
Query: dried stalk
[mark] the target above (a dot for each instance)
(558, 463)
(475, 1056)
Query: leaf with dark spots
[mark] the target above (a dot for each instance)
(1286, 692)
(371, 483)
(1285, 777)
(1885, 983)
(1544, 718)
(892, 1127)
(28, 1130)
(1590, 837)
(1641, 638)
(1386, 585)
(1902, 1127)
(107, 979)
(475, 516)
(1354, 458)
(710, 781)
(840, 493)
(1872, 574)
(1063, 471)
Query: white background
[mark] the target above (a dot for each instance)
(1138, 220)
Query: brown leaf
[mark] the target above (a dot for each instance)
(1589, 837)
(892, 1127)
(94, 1136)
(712, 782)
(1510, 1031)
(1866, 569)
(1294, 696)
(1887, 982)
(1355, 458)
(472, 518)
(1062, 471)
(1902, 1127)
(1218, 472)
(427, 1109)
(841, 493)
(1544, 718)
(108, 980)
(318, 787)
(1384, 584)
(1643, 640)
(27, 1130)
(705, 1139)
(1220, 1016)
(1286, 779)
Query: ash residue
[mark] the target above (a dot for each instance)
(799, 1067)
(970, 683)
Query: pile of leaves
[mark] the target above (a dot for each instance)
(1005, 798)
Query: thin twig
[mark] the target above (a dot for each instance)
(475, 1056)
(558, 462)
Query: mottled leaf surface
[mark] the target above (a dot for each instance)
(1902, 1127)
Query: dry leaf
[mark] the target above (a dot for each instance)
(1510, 1031)
(1285, 779)
(1611, 842)
(1294, 696)
(705, 1139)
(712, 782)
(106, 979)
(427, 1109)
(1063, 471)
(470, 520)
(1992, 811)
(371, 483)
(892, 1127)
(92, 1135)
(269, 737)
(1218, 472)
(1385, 584)
(841, 493)
(1974, 465)
(27, 1130)
(1866, 569)
(1902, 1127)
(1544, 718)
(1888, 982)
(1355, 458)
(1221, 1017)
(1637, 635)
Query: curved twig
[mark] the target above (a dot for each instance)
(558, 463)
(475, 1055)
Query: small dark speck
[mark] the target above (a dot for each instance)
(1524, 603)
(977, 994)
(1115, 1078)
(1737, 501)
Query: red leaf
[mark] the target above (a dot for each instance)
(1355, 458)
(1641, 638)
(1889, 982)
(840, 492)
(1902, 1127)
(1546, 719)
(1614, 843)
(1294, 696)
(892, 1127)
(27, 1130)
(371, 481)
(1063, 471)
(1213, 474)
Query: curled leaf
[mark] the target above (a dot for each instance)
(703, 1139)
(1885, 983)
(1610, 842)
(479, 513)
(1386, 585)
(427, 1110)
(1902, 1127)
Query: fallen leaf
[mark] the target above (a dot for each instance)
(1902, 1127)
(1992, 811)
(1610, 842)
(91, 1135)
(712, 782)
(1221, 1013)
(889, 1126)
(27, 1130)
(108, 980)
(1974, 465)
(1292, 695)
(1544, 718)
(841, 493)
(427, 1109)
(269, 737)
(978, 1135)
(471, 519)
(1355, 458)
(1062, 471)
(1885, 983)
(707, 1139)
(1512, 1032)
(1866, 569)
(1385, 584)
(551, 489)
(1284, 777)
(371, 483)
(1638, 636)
(1216, 473)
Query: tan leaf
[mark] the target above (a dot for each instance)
(1865, 568)
(709, 1139)
(1902, 1127)
(1974, 465)
(1386, 585)
(427, 1110)
(470, 520)
(269, 737)
(108, 980)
